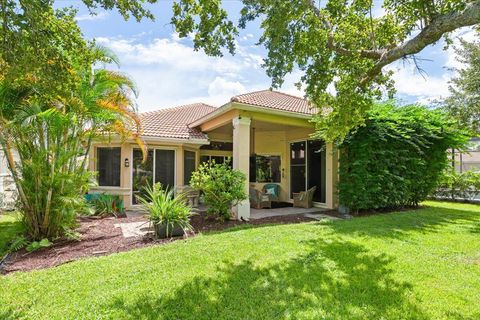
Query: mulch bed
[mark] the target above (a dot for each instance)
(100, 237)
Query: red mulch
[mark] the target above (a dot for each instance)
(100, 237)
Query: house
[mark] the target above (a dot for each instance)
(468, 160)
(7, 186)
(266, 133)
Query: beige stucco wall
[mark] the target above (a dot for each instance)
(125, 189)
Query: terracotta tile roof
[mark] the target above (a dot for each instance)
(173, 122)
(276, 100)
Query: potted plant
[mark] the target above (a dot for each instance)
(169, 214)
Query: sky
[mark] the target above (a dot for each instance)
(168, 72)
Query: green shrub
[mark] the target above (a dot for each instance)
(108, 205)
(222, 187)
(165, 209)
(396, 158)
(459, 186)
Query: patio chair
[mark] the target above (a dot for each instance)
(191, 194)
(272, 190)
(258, 199)
(304, 199)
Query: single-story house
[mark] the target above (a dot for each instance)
(267, 134)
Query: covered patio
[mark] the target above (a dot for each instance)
(271, 147)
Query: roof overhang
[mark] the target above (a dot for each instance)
(155, 139)
(247, 107)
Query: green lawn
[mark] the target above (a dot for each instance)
(10, 226)
(422, 264)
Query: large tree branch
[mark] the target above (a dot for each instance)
(439, 26)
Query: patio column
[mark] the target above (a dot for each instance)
(241, 160)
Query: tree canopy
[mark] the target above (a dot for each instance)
(464, 102)
(54, 99)
(342, 47)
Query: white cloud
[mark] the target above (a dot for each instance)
(91, 17)
(409, 82)
(168, 72)
(164, 51)
(221, 86)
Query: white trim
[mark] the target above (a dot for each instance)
(247, 107)
(153, 139)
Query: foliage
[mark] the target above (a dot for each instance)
(397, 158)
(365, 268)
(11, 229)
(341, 45)
(37, 245)
(53, 103)
(165, 208)
(222, 186)
(107, 205)
(464, 101)
(18, 243)
(459, 185)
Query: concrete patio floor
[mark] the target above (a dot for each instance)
(314, 213)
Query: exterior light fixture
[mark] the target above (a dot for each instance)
(127, 163)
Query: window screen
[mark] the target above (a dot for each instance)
(108, 166)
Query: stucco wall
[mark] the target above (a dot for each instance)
(8, 192)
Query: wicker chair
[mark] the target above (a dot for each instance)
(304, 199)
(258, 199)
(272, 190)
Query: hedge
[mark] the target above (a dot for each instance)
(397, 157)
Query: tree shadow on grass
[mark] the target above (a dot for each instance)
(397, 225)
(334, 279)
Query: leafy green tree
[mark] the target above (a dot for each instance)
(464, 102)
(343, 45)
(222, 187)
(397, 158)
(53, 103)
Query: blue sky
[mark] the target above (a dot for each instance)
(168, 72)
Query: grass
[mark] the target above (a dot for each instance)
(422, 264)
(10, 226)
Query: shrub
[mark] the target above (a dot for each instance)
(107, 205)
(165, 209)
(396, 158)
(458, 186)
(222, 187)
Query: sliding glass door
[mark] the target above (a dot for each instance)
(142, 173)
(297, 167)
(316, 158)
(308, 168)
(159, 167)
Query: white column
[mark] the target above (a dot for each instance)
(241, 160)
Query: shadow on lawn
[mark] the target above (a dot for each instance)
(397, 225)
(335, 279)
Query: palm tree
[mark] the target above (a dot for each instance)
(52, 139)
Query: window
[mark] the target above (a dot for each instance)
(217, 159)
(165, 167)
(265, 168)
(108, 166)
(188, 166)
